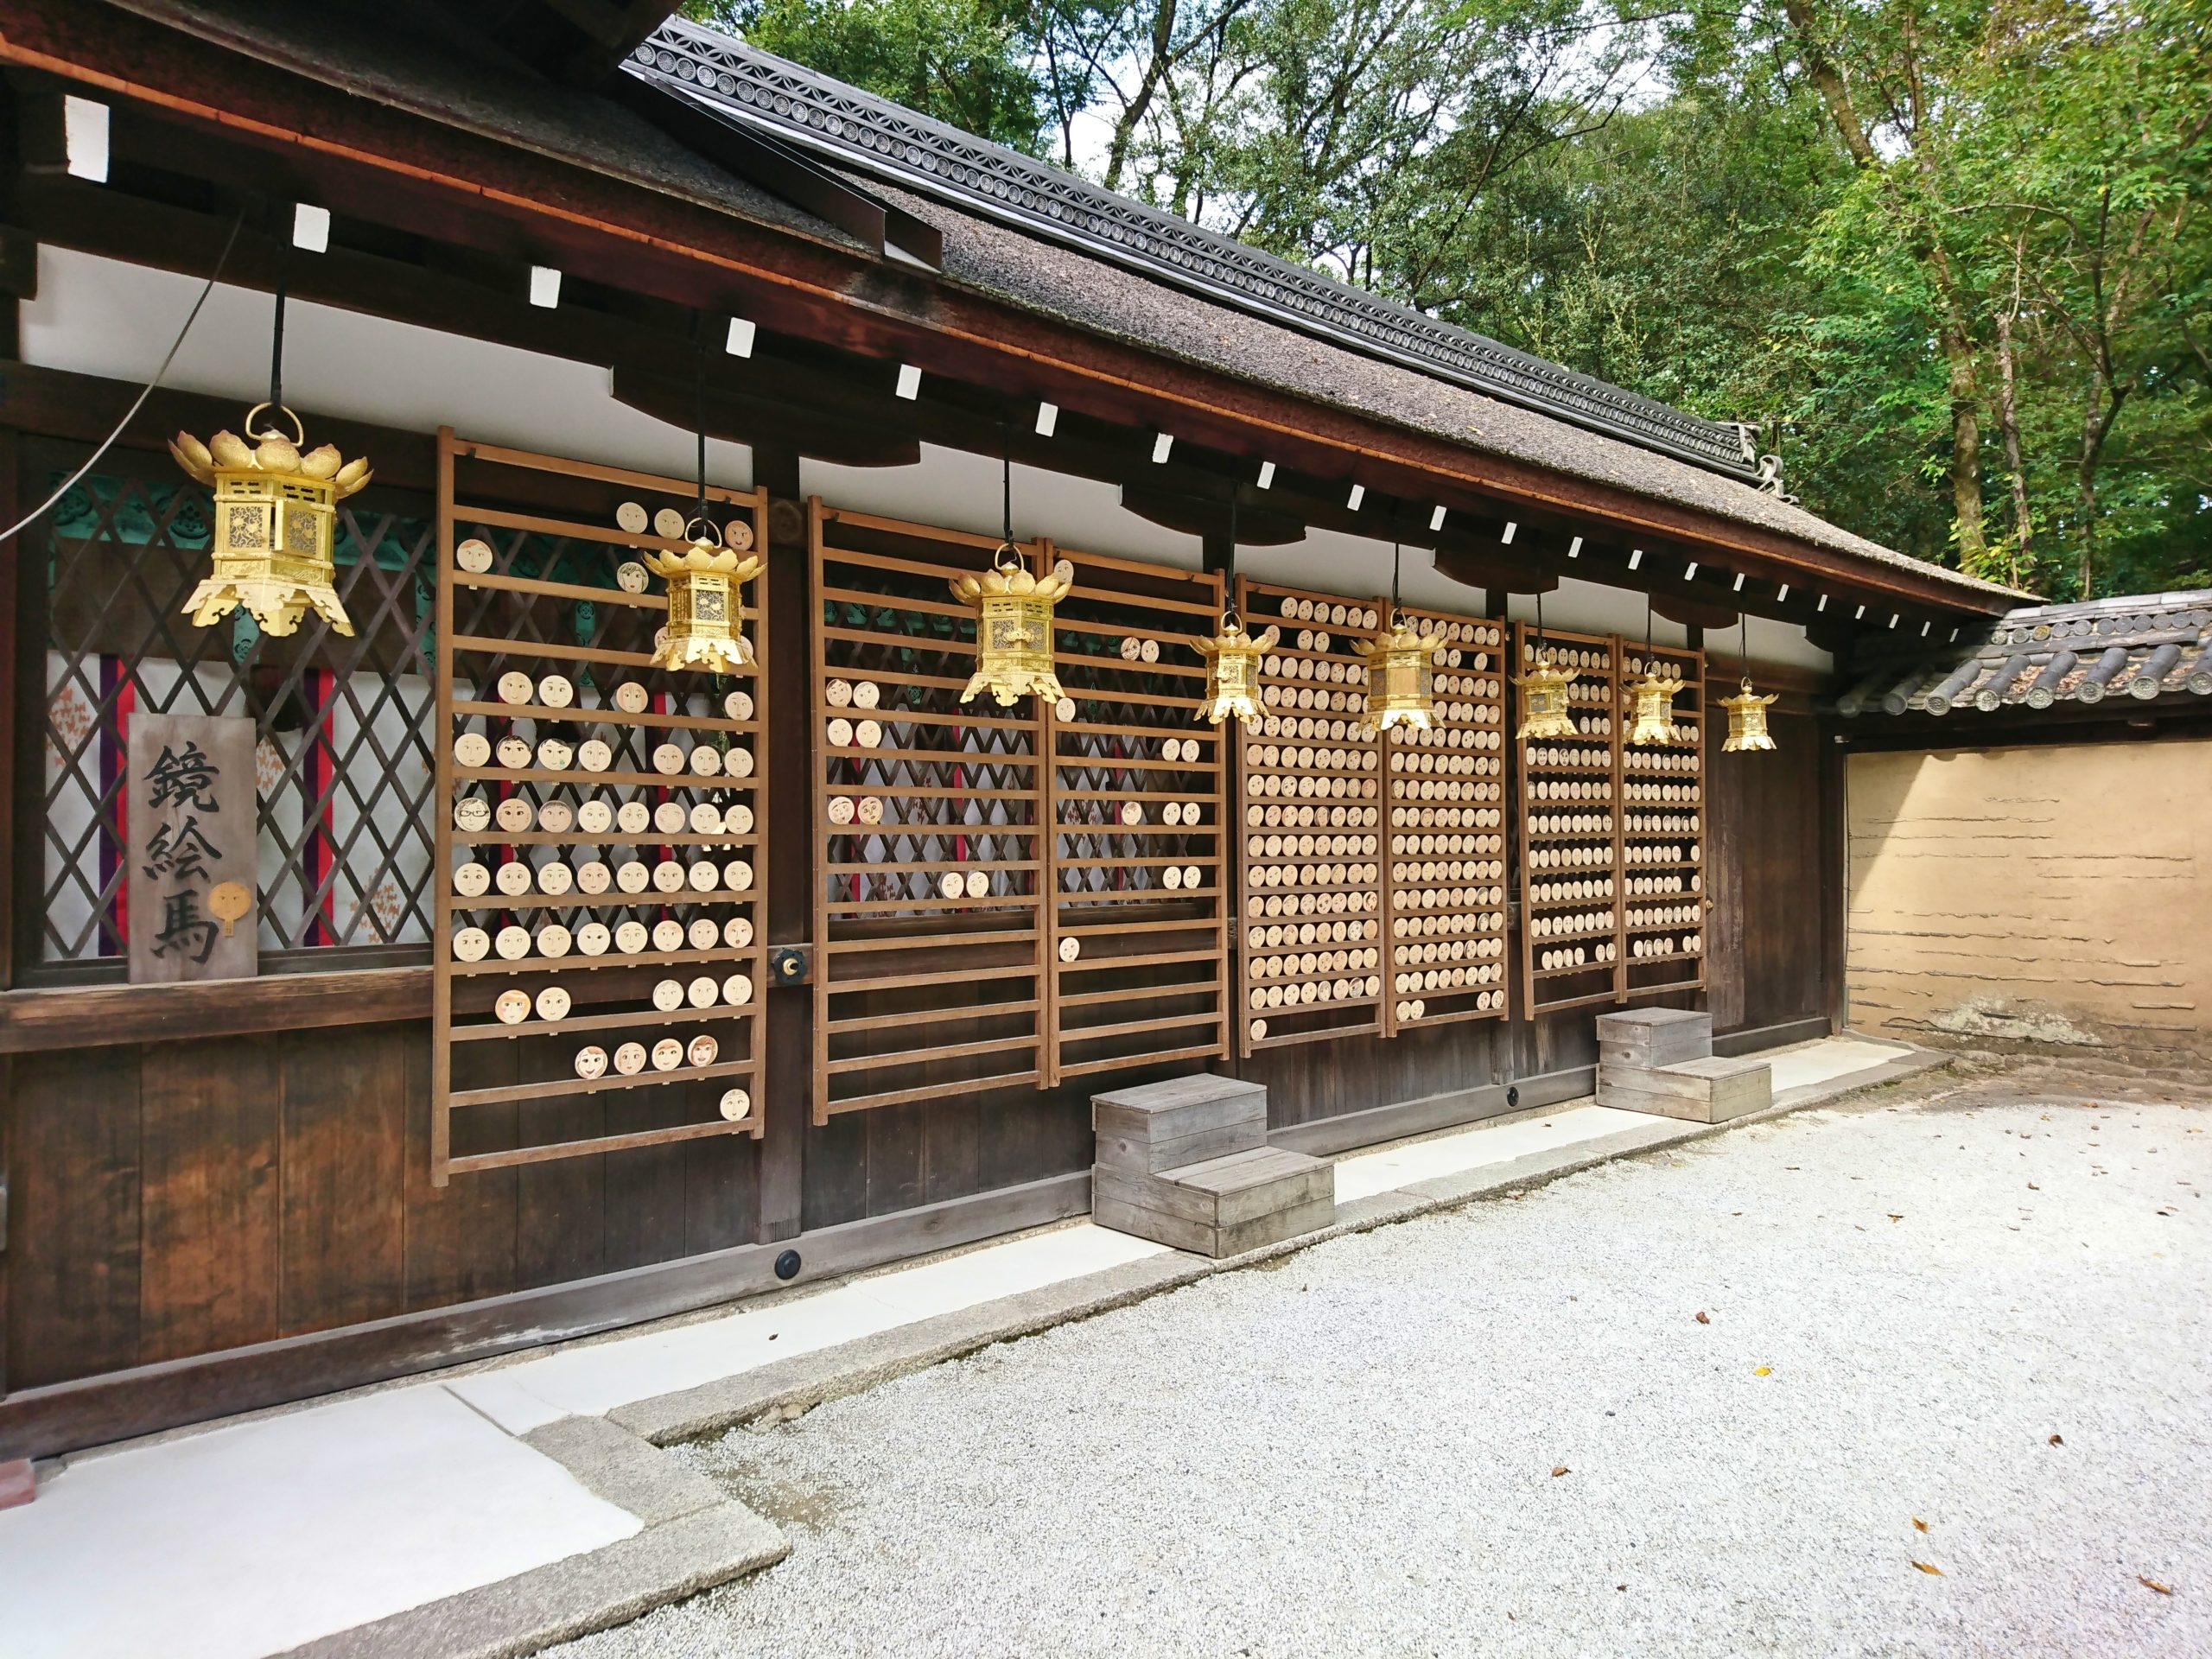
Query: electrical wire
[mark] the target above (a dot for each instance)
(130, 413)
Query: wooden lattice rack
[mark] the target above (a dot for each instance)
(1140, 908)
(1579, 919)
(1309, 834)
(928, 927)
(1445, 820)
(1663, 899)
(599, 970)
(1371, 867)
(940, 968)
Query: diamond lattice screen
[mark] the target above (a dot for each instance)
(342, 757)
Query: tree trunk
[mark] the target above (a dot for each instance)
(1163, 37)
(2085, 490)
(1966, 443)
(2008, 422)
(1953, 331)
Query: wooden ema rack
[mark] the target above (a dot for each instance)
(1445, 818)
(1599, 895)
(599, 967)
(1663, 901)
(995, 907)
(1140, 908)
(1370, 866)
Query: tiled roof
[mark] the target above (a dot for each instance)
(2144, 647)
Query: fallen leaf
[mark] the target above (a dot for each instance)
(1561, 1470)
(1762, 1370)
(1933, 1571)
(2152, 1583)
(1918, 1524)
(2032, 1187)
(2054, 1441)
(1701, 1318)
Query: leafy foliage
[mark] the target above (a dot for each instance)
(964, 62)
(1952, 255)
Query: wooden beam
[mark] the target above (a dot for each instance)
(744, 418)
(96, 1016)
(1497, 570)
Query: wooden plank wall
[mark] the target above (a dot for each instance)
(174, 1198)
(179, 1198)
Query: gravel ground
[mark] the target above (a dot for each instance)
(1505, 1430)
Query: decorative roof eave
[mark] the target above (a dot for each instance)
(2142, 647)
(854, 129)
(621, 217)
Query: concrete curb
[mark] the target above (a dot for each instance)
(695, 1537)
(788, 1388)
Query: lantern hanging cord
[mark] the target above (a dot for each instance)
(1229, 571)
(276, 343)
(1394, 584)
(1744, 644)
(138, 403)
(699, 405)
(1006, 483)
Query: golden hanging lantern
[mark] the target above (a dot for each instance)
(1400, 678)
(1013, 627)
(1654, 721)
(1543, 700)
(1747, 720)
(706, 599)
(1233, 670)
(275, 521)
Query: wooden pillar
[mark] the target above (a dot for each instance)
(790, 1033)
(1835, 873)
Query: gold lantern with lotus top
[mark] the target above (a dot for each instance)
(1400, 677)
(1013, 627)
(706, 598)
(276, 520)
(1654, 721)
(1747, 721)
(1233, 670)
(1543, 700)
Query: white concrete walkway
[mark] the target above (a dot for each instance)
(244, 1541)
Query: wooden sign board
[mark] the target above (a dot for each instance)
(192, 831)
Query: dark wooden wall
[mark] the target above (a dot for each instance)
(169, 1199)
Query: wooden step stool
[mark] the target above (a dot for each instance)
(1187, 1163)
(1660, 1060)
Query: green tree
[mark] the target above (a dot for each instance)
(967, 62)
